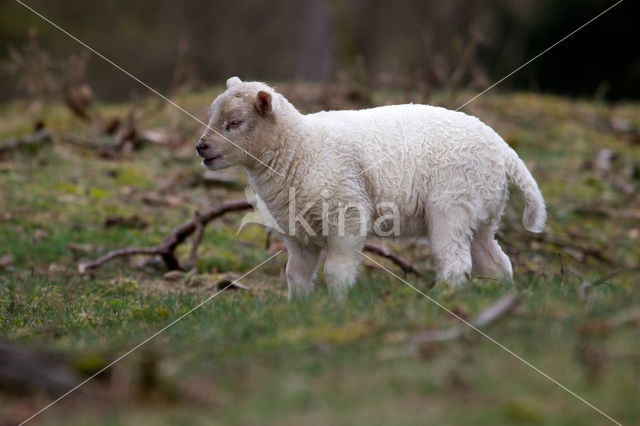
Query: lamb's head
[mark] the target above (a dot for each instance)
(240, 120)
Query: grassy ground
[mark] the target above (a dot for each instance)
(249, 357)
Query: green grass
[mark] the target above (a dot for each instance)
(249, 357)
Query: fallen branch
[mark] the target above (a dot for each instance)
(110, 138)
(107, 148)
(166, 249)
(499, 309)
(597, 254)
(197, 239)
(39, 137)
(573, 246)
(87, 266)
(386, 253)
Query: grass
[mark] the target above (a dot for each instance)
(252, 358)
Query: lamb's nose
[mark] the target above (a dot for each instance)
(201, 146)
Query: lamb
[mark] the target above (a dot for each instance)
(331, 179)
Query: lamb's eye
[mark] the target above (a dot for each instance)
(233, 124)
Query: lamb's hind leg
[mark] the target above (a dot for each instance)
(488, 258)
(450, 240)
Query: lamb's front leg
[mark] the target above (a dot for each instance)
(302, 264)
(342, 263)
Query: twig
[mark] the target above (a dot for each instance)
(39, 137)
(586, 251)
(582, 290)
(113, 254)
(197, 239)
(167, 248)
(503, 306)
(108, 148)
(386, 253)
(110, 138)
(267, 243)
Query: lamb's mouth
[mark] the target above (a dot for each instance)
(209, 161)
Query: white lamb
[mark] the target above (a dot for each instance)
(331, 179)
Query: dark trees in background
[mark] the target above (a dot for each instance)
(423, 43)
(317, 45)
(603, 59)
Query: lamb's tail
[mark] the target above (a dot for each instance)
(535, 213)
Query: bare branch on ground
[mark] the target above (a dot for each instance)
(505, 305)
(166, 249)
(38, 138)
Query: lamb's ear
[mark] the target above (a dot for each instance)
(263, 102)
(232, 82)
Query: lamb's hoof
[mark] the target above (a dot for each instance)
(452, 286)
(299, 296)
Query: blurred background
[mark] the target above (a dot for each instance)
(427, 45)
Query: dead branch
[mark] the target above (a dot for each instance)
(111, 137)
(108, 147)
(499, 309)
(584, 251)
(388, 254)
(197, 239)
(39, 137)
(166, 249)
(113, 254)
